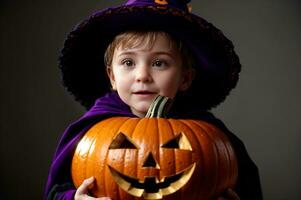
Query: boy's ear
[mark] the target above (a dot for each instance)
(188, 77)
(111, 77)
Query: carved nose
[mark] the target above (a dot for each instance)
(150, 162)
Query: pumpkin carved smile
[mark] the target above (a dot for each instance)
(151, 187)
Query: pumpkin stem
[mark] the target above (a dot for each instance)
(159, 107)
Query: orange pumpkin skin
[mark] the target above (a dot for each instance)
(210, 152)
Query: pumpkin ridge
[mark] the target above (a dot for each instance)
(230, 151)
(174, 123)
(214, 150)
(229, 164)
(233, 167)
(222, 142)
(133, 122)
(82, 169)
(125, 123)
(174, 152)
(205, 128)
(135, 132)
(106, 171)
(93, 141)
(196, 138)
(157, 141)
(163, 125)
(153, 124)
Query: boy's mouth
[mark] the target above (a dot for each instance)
(144, 92)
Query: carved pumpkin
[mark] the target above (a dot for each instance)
(155, 158)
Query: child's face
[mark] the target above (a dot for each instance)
(140, 74)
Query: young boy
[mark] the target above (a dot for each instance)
(146, 55)
(144, 65)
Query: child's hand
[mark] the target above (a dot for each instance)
(82, 191)
(229, 195)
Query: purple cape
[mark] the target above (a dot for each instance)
(59, 173)
(59, 184)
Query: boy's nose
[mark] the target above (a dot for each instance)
(143, 74)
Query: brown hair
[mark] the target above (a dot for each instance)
(133, 39)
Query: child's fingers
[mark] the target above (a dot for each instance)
(82, 191)
(83, 188)
(232, 195)
(229, 195)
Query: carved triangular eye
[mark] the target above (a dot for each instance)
(121, 141)
(172, 144)
(178, 142)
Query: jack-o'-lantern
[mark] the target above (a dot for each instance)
(155, 158)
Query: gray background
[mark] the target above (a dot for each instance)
(263, 110)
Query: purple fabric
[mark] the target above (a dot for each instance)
(66, 195)
(59, 173)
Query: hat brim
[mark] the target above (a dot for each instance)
(82, 58)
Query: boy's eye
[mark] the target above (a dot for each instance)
(128, 63)
(159, 63)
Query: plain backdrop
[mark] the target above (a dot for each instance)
(264, 110)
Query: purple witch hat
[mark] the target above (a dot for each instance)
(82, 61)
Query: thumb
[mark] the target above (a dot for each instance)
(83, 188)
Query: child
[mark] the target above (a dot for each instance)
(150, 47)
